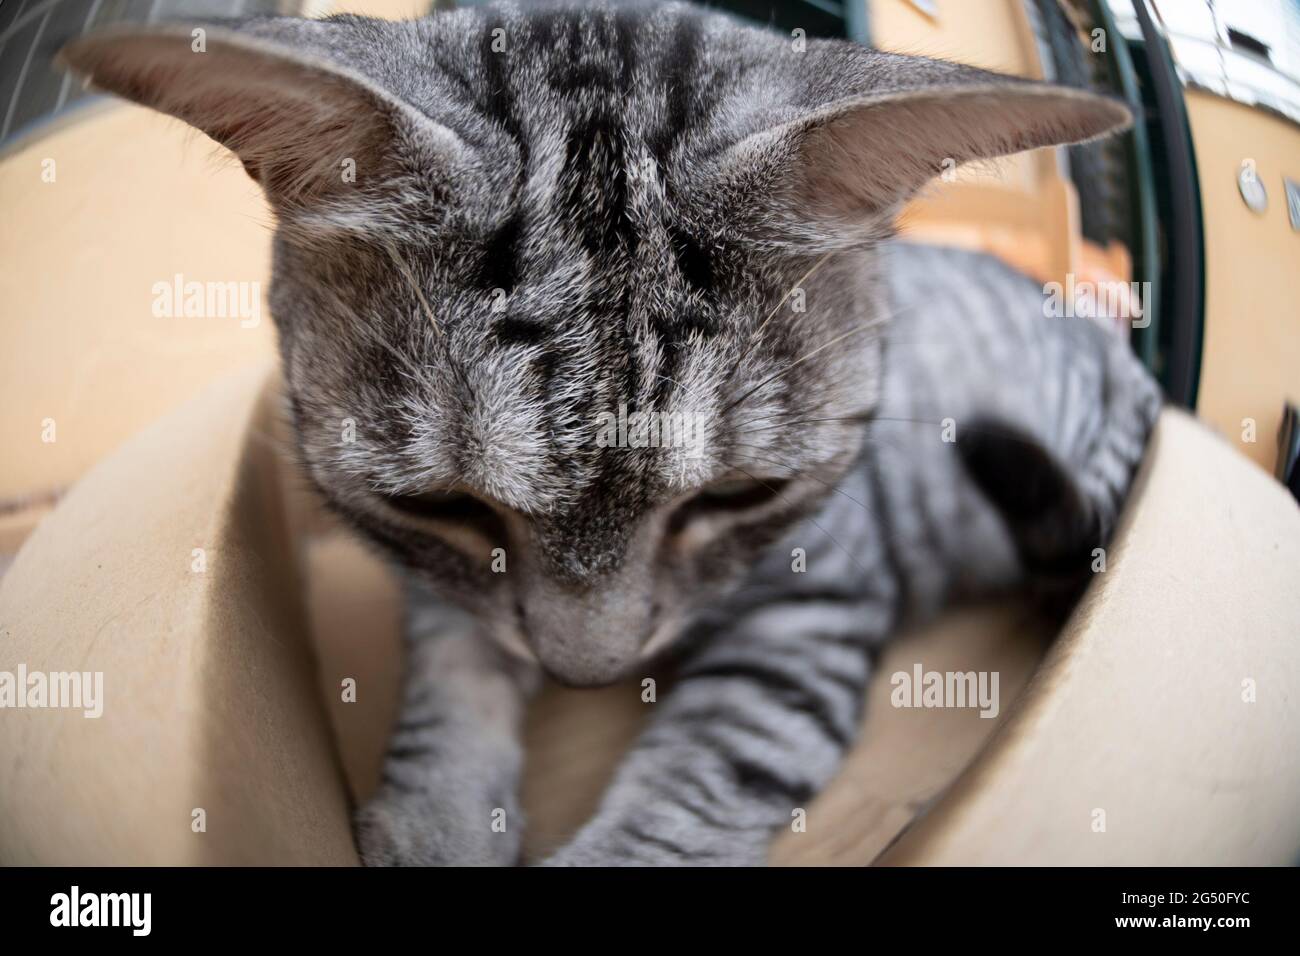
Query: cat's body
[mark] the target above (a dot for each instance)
(560, 214)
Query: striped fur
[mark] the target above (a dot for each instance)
(563, 213)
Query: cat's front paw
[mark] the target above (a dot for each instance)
(413, 829)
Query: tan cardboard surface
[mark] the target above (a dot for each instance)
(209, 697)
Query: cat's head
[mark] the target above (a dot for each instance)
(512, 247)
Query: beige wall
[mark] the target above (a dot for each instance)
(388, 9)
(1251, 351)
(992, 34)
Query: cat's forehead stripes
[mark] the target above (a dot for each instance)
(589, 281)
(540, 441)
(593, 102)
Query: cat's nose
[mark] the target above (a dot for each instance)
(587, 639)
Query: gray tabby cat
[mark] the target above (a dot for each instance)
(557, 212)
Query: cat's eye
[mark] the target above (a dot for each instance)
(500, 268)
(449, 506)
(731, 496)
(740, 493)
(692, 260)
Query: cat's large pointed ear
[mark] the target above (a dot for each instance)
(306, 128)
(847, 164)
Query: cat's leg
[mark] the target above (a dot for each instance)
(758, 722)
(450, 785)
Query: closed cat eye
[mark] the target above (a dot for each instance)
(451, 506)
(692, 260)
(733, 496)
(738, 494)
